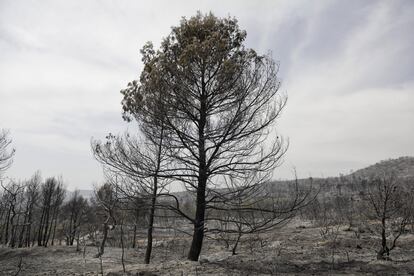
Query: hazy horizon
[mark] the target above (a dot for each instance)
(346, 66)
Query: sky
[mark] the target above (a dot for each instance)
(346, 66)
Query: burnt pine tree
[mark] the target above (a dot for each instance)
(221, 100)
(134, 165)
(52, 195)
(74, 210)
(106, 199)
(11, 197)
(31, 195)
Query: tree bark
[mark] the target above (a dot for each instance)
(134, 240)
(21, 236)
(28, 233)
(6, 233)
(46, 227)
(13, 229)
(29, 224)
(154, 199)
(54, 219)
(54, 232)
(151, 223)
(198, 234)
(39, 233)
(123, 250)
(105, 236)
(384, 248)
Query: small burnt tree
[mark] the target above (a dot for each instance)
(75, 210)
(135, 165)
(388, 201)
(11, 200)
(52, 196)
(253, 207)
(31, 194)
(139, 160)
(106, 201)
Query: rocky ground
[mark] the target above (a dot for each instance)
(297, 249)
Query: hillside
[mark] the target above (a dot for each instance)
(403, 166)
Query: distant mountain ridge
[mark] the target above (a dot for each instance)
(402, 166)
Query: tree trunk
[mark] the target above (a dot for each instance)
(198, 234)
(105, 236)
(151, 223)
(123, 250)
(28, 234)
(72, 235)
(13, 236)
(51, 226)
(13, 229)
(46, 227)
(69, 235)
(39, 233)
(54, 232)
(154, 199)
(33, 238)
(6, 233)
(384, 248)
(134, 240)
(21, 236)
(29, 225)
(77, 242)
(54, 218)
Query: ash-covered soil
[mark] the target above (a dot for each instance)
(297, 249)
